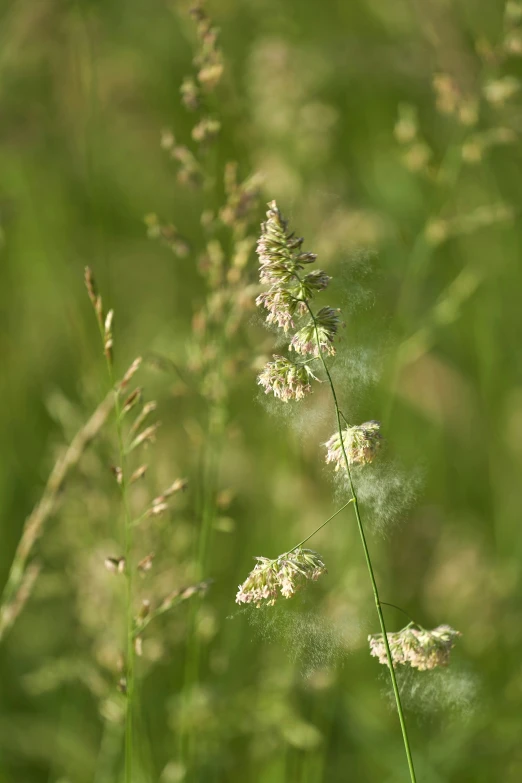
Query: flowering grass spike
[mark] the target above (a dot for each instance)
(287, 302)
(317, 333)
(361, 444)
(419, 648)
(286, 380)
(282, 577)
(312, 335)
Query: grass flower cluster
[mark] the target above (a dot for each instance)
(282, 577)
(285, 379)
(416, 647)
(361, 444)
(281, 262)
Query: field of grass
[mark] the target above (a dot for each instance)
(389, 135)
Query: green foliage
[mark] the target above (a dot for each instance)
(390, 134)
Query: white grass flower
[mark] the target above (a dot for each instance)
(281, 261)
(361, 443)
(279, 251)
(281, 257)
(286, 380)
(281, 306)
(282, 577)
(416, 646)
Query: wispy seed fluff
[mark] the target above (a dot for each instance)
(282, 577)
(419, 648)
(361, 443)
(287, 302)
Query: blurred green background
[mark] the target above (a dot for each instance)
(419, 227)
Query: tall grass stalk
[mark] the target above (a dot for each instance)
(105, 329)
(364, 543)
(24, 572)
(368, 560)
(281, 261)
(129, 570)
(210, 457)
(227, 209)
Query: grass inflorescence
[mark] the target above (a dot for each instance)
(312, 335)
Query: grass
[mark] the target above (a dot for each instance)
(312, 101)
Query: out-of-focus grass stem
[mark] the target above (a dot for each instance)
(21, 575)
(106, 338)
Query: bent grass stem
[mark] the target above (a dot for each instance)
(300, 544)
(412, 621)
(366, 556)
(23, 573)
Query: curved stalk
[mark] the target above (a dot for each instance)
(412, 622)
(300, 544)
(367, 556)
(23, 572)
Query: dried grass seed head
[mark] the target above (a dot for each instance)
(131, 372)
(94, 296)
(116, 565)
(209, 60)
(190, 94)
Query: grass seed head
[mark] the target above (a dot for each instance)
(131, 372)
(280, 578)
(116, 565)
(416, 647)
(146, 563)
(285, 379)
(361, 443)
(138, 473)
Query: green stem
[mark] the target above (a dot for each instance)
(367, 557)
(129, 568)
(412, 621)
(300, 544)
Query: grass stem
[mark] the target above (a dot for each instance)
(367, 557)
(129, 568)
(21, 574)
(105, 328)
